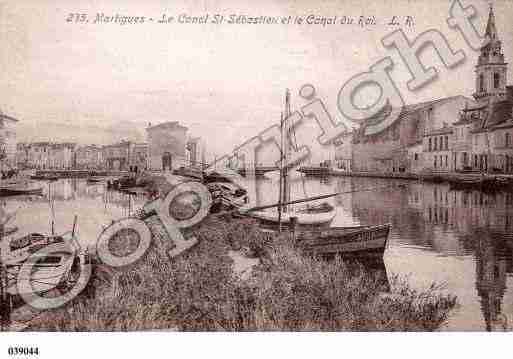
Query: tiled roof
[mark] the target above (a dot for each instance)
(169, 125)
(407, 109)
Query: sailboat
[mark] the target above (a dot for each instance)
(318, 215)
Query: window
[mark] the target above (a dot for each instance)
(416, 156)
(481, 83)
(429, 145)
(434, 158)
(507, 140)
(436, 144)
(446, 142)
(496, 80)
(446, 160)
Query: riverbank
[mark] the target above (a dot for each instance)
(203, 290)
(464, 179)
(80, 173)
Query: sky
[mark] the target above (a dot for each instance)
(100, 83)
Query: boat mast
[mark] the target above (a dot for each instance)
(280, 194)
(285, 149)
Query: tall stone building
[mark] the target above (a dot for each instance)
(139, 157)
(491, 69)
(166, 146)
(8, 139)
(485, 129)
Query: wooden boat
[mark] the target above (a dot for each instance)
(95, 179)
(50, 271)
(57, 270)
(46, 177)
(226, 196)
(315, 171)
(359, 241)
(308, 216)
(16, 191)
(190, 172)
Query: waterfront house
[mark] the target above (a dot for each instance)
(116, 157)
(139, 157)
(166, 145)
(437, 147)
(487, 127)
(61, 155)
(8, 139)
(89, 157)
(390, 150)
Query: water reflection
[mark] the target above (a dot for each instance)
(459, 237)
(458, 224)
(95, 206)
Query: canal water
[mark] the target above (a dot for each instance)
(462, 239)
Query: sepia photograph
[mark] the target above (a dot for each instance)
(231, 166)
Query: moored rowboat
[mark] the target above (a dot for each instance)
(13, 191)
(361, 241)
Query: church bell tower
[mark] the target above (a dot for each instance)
(491, 70)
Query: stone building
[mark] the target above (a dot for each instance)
(139, 157)
(391, 149)
(61, 155)
(116, 157)
(38, 155)
(437, 150)
(89, 157)
(196, 152)
(484, 130)
(22, 155)
(8, 139)
(166, 146)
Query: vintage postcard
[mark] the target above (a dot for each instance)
(239, 166)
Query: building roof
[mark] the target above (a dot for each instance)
(166, 125)
(408, 109)
(491, 29)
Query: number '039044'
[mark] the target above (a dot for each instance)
(23, 351)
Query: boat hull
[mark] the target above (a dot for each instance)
(364, 241)
(5, 191)
(304, 219)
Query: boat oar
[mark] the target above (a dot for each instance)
(311, 199)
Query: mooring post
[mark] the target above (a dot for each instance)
(293, 225)
(5, 305)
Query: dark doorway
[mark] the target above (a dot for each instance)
(167, 161)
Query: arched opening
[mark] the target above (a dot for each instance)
(167, 161)
(496, 80)
(481, 83)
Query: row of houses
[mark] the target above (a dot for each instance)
(168, 147)
(450, 134)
